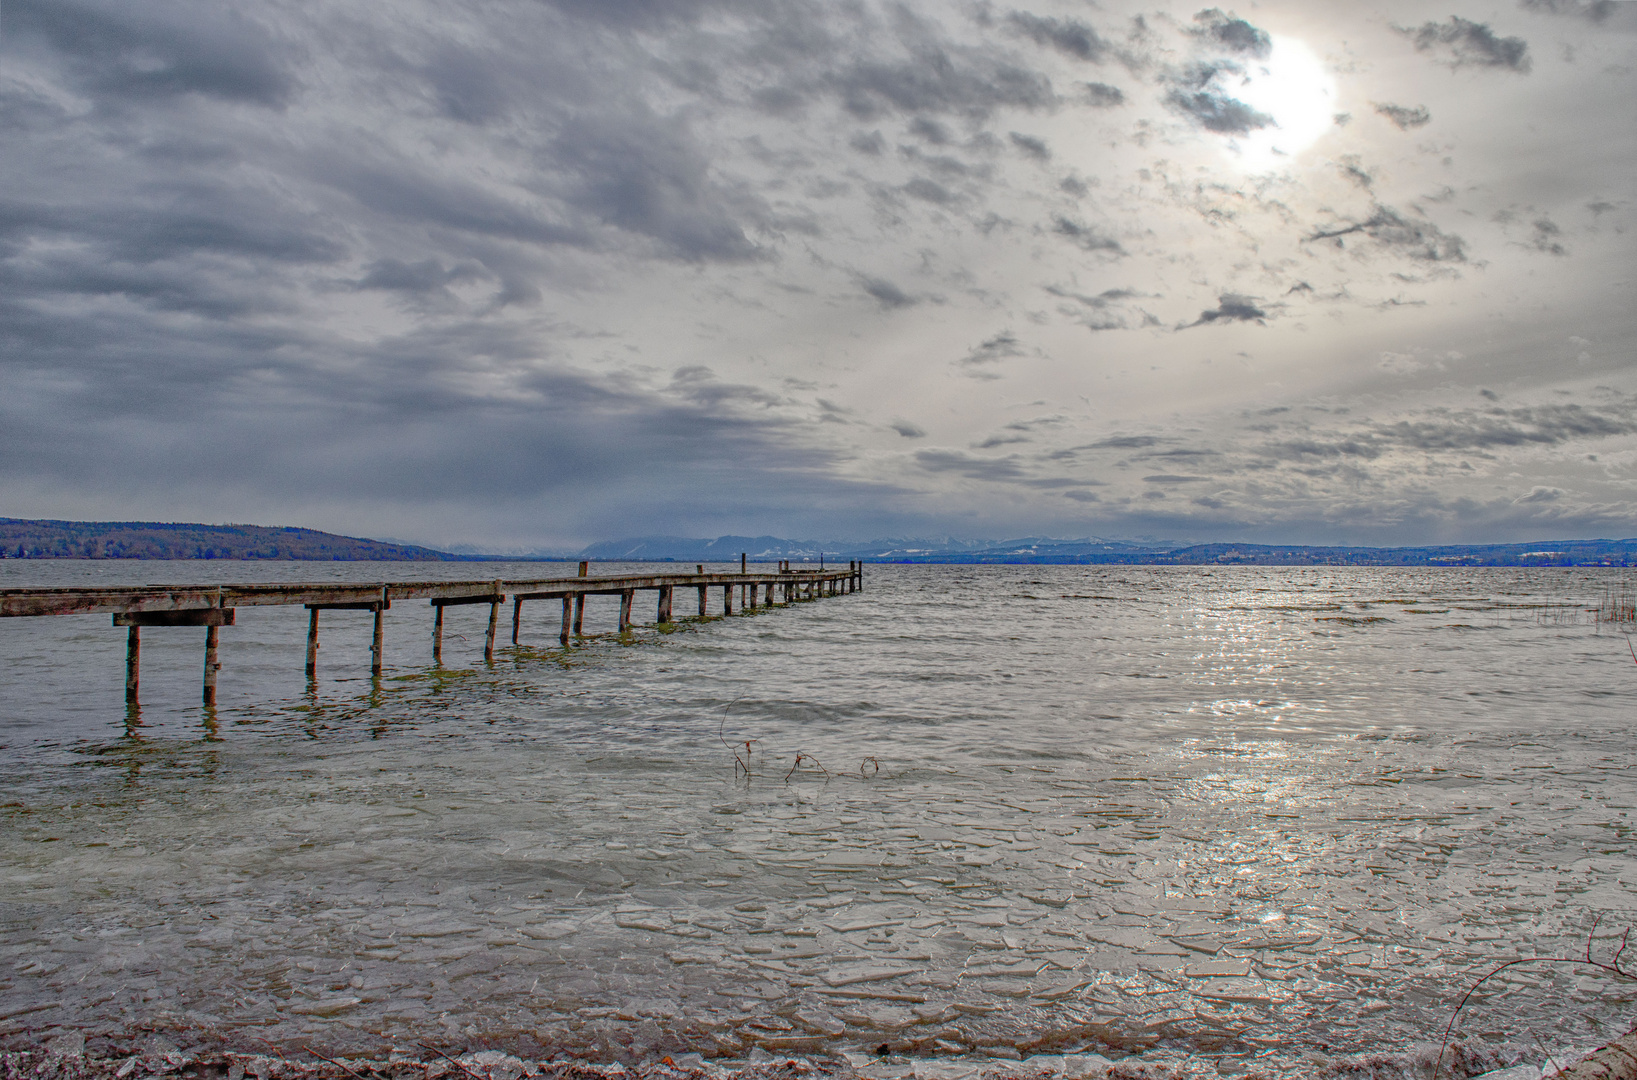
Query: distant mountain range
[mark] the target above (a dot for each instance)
(21, 539)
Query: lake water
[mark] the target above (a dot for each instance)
(1241, 817)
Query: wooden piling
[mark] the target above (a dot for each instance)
(568, 610)
(625, 609)
(437, 635)
(663, 616)
(212, 639)
(517, 617)
(727, 600)
(312, 642)
(579, 602)
(378, 642)
(494, 619)
(133, 661)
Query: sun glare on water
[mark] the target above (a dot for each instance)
(1293, 87)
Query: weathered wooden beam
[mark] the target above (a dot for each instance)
(441, 602)
(663, 614)
(727, 600)
(437, 636)
(133, 661)
(517, 616)
(312, 641)
(626, 596)
(199, 617)
(569, 604)
(489, 639)
(377, 641)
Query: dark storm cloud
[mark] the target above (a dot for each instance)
(1233, 34)
(868, 142)
(1085, 236)
(1392, 231)
(1465, 431)
(1218, 112)
(1354, 170)
(1101, 95)
(1069, 36)
(1003, 346)
(1595, 10)
(1231, 307)
(647, 176)
(908, 430)
(969, 466)
(1547, 237)
(1404, 117)
(1033, 147)
(888, 295)
(122, 53)
(932, 75)
(1462, 42)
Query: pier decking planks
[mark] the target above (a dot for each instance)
(214, 606)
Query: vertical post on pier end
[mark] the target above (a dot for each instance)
(312, 642)
(517, 616)
(212, 639)
(743, 557)
(579, 601)
(133, 661)
(626, 597)
(378, 642)
(568, 610)
(437, 635)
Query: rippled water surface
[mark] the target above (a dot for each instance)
(1243, 814)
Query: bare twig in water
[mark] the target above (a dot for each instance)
(1629, 648)
(800, 757)
(869, 761)
(738, 763)
(334, 1062)
(1612, 968)
(451, 1061)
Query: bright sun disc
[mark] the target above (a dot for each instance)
(1293, 87)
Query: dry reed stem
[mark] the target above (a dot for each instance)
(1612, 967)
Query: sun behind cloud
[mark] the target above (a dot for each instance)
(1292, 87)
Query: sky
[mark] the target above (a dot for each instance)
(525, 274)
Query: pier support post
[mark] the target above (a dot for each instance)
(579, 603)
(663, 616)
(312, 643)
(704, 606)
(133, 661)
(727, 600)
(755, 587)
(212, 638)
(517, 617)
(626, 597)
(437, 635)
(378, 642)
(494, 619)
(568, 609)
(743, 557)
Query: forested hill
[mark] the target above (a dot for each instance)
(22, 539)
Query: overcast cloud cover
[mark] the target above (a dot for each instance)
(524, 273)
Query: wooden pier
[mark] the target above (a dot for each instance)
(215, 606)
